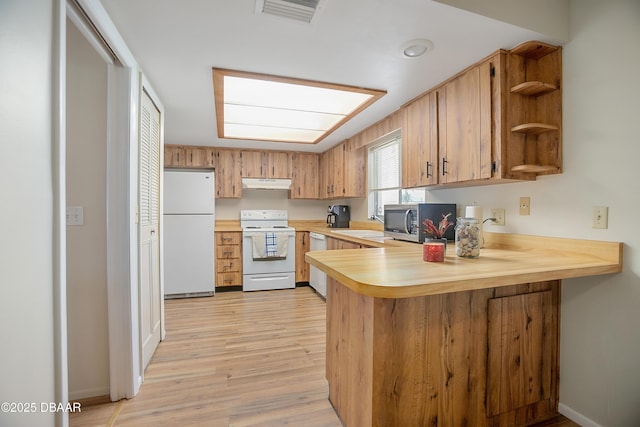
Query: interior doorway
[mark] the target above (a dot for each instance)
(120, 159)
(86, 233)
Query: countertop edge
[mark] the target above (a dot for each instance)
(588, 258)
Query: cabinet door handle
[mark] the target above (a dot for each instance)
(444, 166)
(429, 170)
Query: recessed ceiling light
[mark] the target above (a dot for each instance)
(417, 47)
(270, 108)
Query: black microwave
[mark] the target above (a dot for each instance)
(406, 222)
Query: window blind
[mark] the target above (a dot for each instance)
(386, 166)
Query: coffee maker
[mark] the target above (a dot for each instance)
(339, 216)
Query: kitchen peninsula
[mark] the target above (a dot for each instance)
(464, 342)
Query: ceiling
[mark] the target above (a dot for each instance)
(350, 42)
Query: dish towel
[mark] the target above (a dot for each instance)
(270, 245)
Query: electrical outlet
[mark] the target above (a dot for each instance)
(498, 214)
(600, 217)
(525, 205)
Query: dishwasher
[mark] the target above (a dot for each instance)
(317, 278)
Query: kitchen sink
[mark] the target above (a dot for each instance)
(362, 234)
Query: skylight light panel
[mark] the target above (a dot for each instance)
(266, 133)
(290, 96)
(264, 116)
(261, 107)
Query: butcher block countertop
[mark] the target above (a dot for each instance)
(506, 259)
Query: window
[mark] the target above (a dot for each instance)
(385, 172)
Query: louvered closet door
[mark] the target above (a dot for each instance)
(149, 246)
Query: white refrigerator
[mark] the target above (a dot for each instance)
(188, 243)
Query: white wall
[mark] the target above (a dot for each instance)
(600, 337)
(88, 345)
(27, 362)
(229, 209)
(543, 16)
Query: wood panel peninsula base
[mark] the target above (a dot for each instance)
(466, 342)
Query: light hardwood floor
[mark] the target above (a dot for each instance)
(236, 359)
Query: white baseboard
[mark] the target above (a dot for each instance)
(88, 392)
(576, 417)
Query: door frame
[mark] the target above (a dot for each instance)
(122, 200)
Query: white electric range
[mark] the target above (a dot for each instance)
(268, 250)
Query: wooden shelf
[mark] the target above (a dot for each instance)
(533, 88)
(534, 168)
(534, 49)
(534, 128)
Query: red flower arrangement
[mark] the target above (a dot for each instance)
(437, 232)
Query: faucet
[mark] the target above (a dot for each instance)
(376, 218)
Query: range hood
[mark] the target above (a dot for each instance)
(266, 184)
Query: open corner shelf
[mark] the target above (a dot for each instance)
(534, 49)
(534, 128)
(533, 88)
(534, 168)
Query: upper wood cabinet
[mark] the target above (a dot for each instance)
(254, 164)
(342, 171)
(305, 176)
(174, 156)
(420, 142)
(448, 135)
(228, 166)
(497, 120)
(330, 173)
(188, 156)
(199, 157)
(465, 125)
(266, 164)
(278, 164)
(355, 170)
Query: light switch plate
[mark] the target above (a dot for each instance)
(75, 215)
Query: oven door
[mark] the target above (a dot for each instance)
(265, 274)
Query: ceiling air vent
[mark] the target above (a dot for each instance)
(298, 10)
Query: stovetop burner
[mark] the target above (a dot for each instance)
(265, 220)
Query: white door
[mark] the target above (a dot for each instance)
(149, 293)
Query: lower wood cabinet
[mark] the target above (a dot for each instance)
(302, 247)
(228, 259)
(338, 244)
(483, 358)
(521, 356)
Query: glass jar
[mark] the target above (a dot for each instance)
(467, 238)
